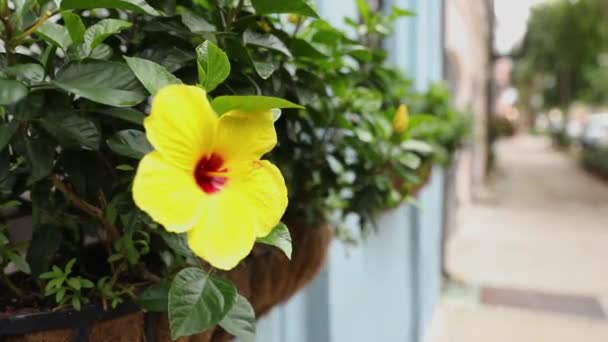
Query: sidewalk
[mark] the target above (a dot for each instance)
(532, 257)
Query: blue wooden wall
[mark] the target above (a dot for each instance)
(387, 288)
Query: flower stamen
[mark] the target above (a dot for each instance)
(210, 175)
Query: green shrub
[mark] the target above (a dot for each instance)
(74, 89)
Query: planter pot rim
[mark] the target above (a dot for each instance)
(23, 324)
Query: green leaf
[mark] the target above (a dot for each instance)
(155, 298)
(284, 6)
(72, 130)
(6, 133)
(240, 320)
(153, 76)
(69, 266)
(47, 275)
(39, 155)
(60, 295)
(131, 221)
(119, 205)
(53, 286)
(263, 69)
(21, 9)
(74, 283)
(94, 37)
(139, 6)
(417, 146)
(75, 26)
(276, 114)
(280, 238)
(55, 35)
(125, 167)
(409, 160)
(195, 22)
(57, 271)
(302, 48)
(364, 10)
(223, 104)
(19, 262)
(265, 40)
(76, 303)
(28, 72)
(45, 243)
(198, 301)
(9, 205)
(127, 114)
(102, 51)
(3, 239)
(86, 283)
(177, 242)
(99, 32)
(11, 91)
(213, 65)
(130, 143)
(110, 83)
(397, 12)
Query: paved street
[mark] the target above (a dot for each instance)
(529, 262)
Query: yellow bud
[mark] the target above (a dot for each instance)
(293, 18)
(264, 25)
(401, 119)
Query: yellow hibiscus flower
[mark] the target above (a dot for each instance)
(205, 176)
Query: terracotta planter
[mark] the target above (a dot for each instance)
(124, 324)
(266, 278)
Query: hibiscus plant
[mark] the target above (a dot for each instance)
(137, 145)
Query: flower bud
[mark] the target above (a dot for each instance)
(401, 119)
(293, 18)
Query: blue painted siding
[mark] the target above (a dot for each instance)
(387, 288)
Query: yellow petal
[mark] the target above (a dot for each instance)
(181, 125)
(245, 136)
(168, 194)
(225, 235)
(262, 186)
(250, 205)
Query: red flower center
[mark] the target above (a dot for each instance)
(210, 173)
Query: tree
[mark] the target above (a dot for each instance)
(564, 45)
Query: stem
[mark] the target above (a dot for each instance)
(151, 277)
(245, 17)
(4, 8)
(30, 30)
(8, 36)
(9, 283)
(298, 27)
(86, 207)
(235, 13)
(42, 86)
(216, 3)
(257, 87)
(76, 201)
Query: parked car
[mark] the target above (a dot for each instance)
(595, 131)
(594, 143)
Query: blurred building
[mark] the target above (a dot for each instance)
(468, 32)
